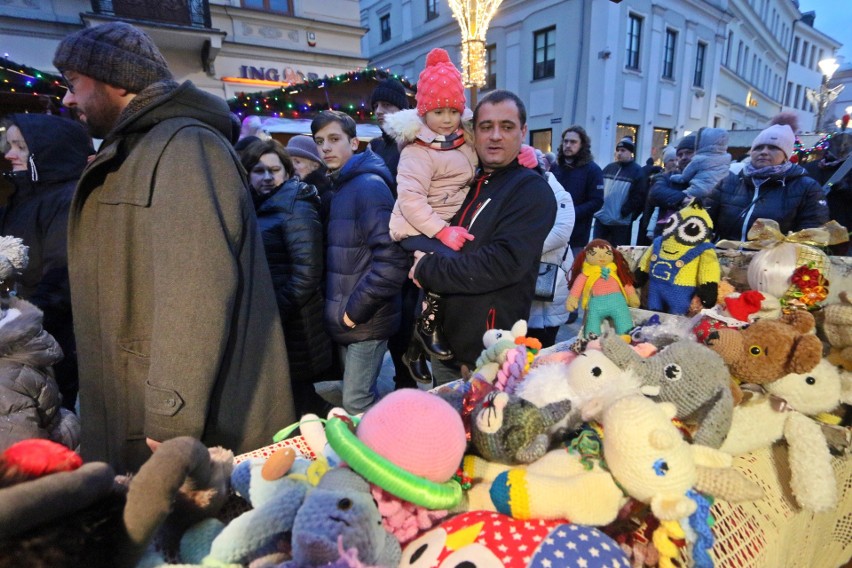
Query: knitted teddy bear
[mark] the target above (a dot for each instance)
(785, 412)
(837, 328)
(768, 349)
(687, 374)
(508, 429)
(681, 263)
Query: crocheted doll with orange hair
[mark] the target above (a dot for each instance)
(601, 282)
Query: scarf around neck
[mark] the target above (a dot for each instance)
(593, 273)
(767, 172)
(449, 142)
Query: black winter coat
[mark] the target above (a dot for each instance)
(792, 199)
(289, 223)
(491, 284)
(585, 184)
(385, 147)
(365, 269)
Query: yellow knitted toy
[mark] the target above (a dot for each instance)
(681, 263)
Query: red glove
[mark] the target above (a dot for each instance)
(454, 237)
(527, 157)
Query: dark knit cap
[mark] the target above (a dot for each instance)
(687, 142)
(627, 143)
(391, 91)
(117, 54)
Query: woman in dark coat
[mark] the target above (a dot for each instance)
(288, 216)
(47, 154)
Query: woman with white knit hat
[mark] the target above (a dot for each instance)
(770, 187)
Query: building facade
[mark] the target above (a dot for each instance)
(223, 46)
(653, 70)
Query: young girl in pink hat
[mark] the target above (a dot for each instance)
(436, 167)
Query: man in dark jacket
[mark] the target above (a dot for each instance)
(625, 189)
(509, 210)
(582, 178)
(666, 193)
(47, 154)
(839, 196)
(389, 97)
(176, 322)
(365, 268)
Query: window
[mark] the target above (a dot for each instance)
(490, 67)
(812, 62)
(728, 49)
(700, 54)
(542, 139)
(384, 25)
(277, 6)
(669, 54)
(804, 57)
(431, 9)
(795, 54)
(627, 130)
(659, 140)
(739, 58)
(544, 64)
(788, 94)
(634, 39)
(798, 96)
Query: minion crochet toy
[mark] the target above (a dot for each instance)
(681, 263)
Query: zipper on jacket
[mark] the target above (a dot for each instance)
(750, 210)
(482, 179)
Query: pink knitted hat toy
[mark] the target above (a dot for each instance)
(440, 84)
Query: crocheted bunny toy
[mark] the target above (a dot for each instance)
(498, 342)
(768, 349)
(785, 411)
(511, 430)
(681, 263)
(687, 374)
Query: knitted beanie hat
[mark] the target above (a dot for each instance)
(440, 84)
(687, 143)
(779, 135)
(391, 91)
(304, 147)
(626, 143)
(417, 431)
(669, 153)
(116, 53)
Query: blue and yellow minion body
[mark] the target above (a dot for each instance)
(681, 263)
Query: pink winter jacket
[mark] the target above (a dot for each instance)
(431, 186)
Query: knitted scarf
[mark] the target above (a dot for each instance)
(449, 142)
(767, 172)
(593, 273)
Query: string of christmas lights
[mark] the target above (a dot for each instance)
(803, 153)
(348, 92)
(21, 79)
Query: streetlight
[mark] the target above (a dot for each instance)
(825, 96)
(473, 17)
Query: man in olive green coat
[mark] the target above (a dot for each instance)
(176, 322)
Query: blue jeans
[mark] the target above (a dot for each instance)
(362, 363)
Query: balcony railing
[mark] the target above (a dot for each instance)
(192, 13)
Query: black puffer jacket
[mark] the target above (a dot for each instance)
(289, 223)
(491, 284)
(365, 268)
(792, 199)
(37, 212)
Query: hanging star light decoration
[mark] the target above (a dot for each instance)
(473, 17)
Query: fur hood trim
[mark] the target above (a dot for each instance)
(406, 126)
(23, 337)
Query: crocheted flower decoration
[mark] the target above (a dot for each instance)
(809, 287)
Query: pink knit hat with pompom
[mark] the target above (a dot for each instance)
(440, 84)
(417, 431)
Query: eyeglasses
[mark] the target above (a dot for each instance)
(68, 84)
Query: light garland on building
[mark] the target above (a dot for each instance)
(473, 17)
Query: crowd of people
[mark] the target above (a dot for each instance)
(214, 275)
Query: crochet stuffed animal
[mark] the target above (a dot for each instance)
(498, 342)
(687, 374)
(602, 284)
(785, 412)
(643, 454)
(768, 349)
(681, 262)
(508, 429)
(590, 375)
(837, 328)
(482, 538)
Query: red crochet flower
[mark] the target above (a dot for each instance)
(806, 278)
